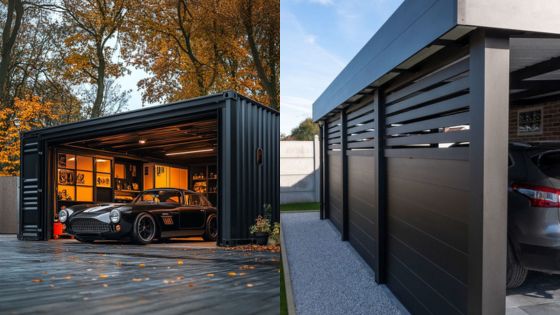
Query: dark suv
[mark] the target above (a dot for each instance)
(533, 210)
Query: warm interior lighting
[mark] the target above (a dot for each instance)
(100, 160)
(142, 141)
(189, 152)
(71, 159)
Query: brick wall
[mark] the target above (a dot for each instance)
(551, 123)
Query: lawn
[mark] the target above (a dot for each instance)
(300, 206)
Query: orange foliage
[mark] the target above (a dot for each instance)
(25, 115)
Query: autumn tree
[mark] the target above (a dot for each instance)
(25, 115)
(93, 25)
(194, 47)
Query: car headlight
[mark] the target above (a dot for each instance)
(63, 216)
(115, 216)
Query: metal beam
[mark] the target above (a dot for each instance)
(489, 88)
(547, 66)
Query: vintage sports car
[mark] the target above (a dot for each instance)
(154, 214)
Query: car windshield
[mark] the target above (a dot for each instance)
(158, 197)
(549, 163)
(195, 200)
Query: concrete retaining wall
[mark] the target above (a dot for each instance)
(299, 171)
(9, 210)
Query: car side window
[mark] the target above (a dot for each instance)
(195, 200)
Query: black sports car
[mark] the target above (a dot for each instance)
(154, 214)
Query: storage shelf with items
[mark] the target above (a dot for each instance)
(127, 180)
(204, 180)
(162, 176)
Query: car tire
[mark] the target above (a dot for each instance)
(211, 230)
(145, 229)
(81, 240)
(516, 273)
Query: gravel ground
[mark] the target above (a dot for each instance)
(328, 276)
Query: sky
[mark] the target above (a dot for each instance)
(317, 40)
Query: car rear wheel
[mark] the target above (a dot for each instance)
(145, 229)
(516, 273)
(211, 232)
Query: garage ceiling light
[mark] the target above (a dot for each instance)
(142, 141)
(189, 152)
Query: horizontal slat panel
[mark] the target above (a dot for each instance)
(361, 144)
(440, 137)
(461, 153)
(334, 135)
(363, 135)
(366, 109)
(361, 119)
(432, 95)
(430, 110)
(361, 128)
(424, 83)
(440, 122)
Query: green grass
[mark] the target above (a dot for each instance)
(283, 303)
(300, 206)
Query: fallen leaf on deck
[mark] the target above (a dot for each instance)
(210, 274)
(249, 285)
(103, 276)
(136, 279)
(232, 274)
(67, 277)
(179, 262)
(105, 285)
(141, 265)
(37, 280)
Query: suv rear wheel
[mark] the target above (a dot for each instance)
(516, 273)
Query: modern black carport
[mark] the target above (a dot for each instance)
(243, 133)
(428, 216)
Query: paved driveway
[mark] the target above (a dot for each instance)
(175, 278)
(540, 294)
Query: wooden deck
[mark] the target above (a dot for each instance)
(65, 276)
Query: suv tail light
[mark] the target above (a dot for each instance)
(540, 196)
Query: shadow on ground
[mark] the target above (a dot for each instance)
(540, 294)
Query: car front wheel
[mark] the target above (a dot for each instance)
(145, 229)
(516, 273)
(211, 232)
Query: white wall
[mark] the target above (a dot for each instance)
(299, 171)
(9, 210)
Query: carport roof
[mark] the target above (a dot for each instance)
(404, 39)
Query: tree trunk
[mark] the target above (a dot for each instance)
(97, 108)
(9, 35)
(268, 84)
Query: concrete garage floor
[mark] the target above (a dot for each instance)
(179, 277)
(540, 294)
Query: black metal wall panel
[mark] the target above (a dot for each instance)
(31, 218)
(255, 185)
(427, 145)
(335, 172)
(362, 196)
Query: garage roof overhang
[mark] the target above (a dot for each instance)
(419, 29)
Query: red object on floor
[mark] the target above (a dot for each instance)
(57, 229)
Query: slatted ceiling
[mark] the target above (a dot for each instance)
(419, 115)
(193, 135)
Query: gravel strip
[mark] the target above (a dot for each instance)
(328, 276)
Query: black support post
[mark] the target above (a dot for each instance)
(343, 149)
(321, 171)
(325, 170)
(489, 88)
(380, 187)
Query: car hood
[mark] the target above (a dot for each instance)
(99, 211)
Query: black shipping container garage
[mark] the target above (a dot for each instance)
(414, 136)
(225, 146)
